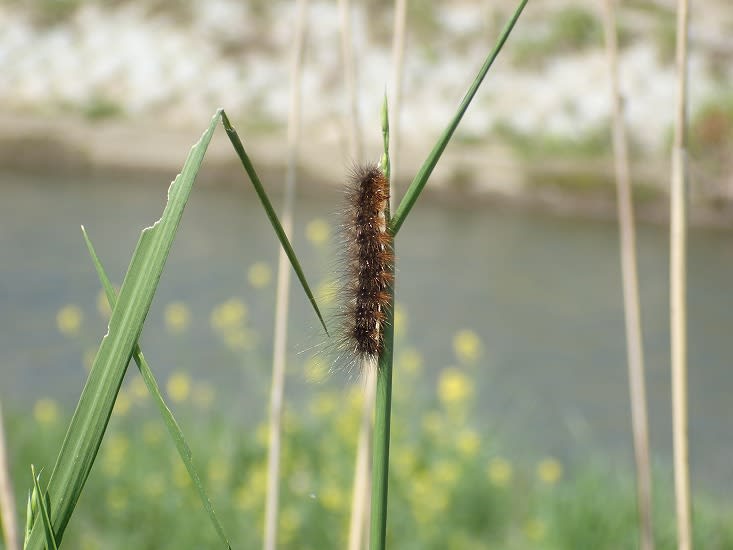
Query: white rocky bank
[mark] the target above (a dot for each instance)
(176, 71)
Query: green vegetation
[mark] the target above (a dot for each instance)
(595, 142)
(567, 30)
(451, 484)
(711, 132)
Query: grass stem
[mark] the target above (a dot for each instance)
(283, 287)
(8, 514)
(678, 290)
(629, 270)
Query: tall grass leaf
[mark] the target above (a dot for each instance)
(45, 516)
(90, 419)
(270, 211)
(416, 187)
(173, 429)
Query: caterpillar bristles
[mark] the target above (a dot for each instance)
(367, 268)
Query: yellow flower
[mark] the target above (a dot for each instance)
(116, 499)
(332, 497)
(240, 339)
(535, 530)
(468, 443)
(289, 523)
(218, 470)
(324, 404)
(262, 434)
(177, 317)
(68, 320)
(138, 389)
(405, 459)
(231, 313)
(467, 346)
(250, 494)
(122, 403)
(114, 455)
(446, 472)
(259, 274)
(181, 478)
(103, 305)
(410, 361)
(90, 355)
(326, 292)
(316, 370)
(179, 386)
(432, 423)
(152, 433)
(317, 231)
(153, 485)
(46, 411)
(203, 395)
(549, 471)
(500, 472)
(454, 387)
(400, 318)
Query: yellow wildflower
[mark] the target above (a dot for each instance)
(467, 346)
(400, 318)
(116, 499)
(218, 470)
(316, 370)
(138, 389)
(317, 231)
(122, 403)
(231, 313)
(181, 477)
(500, 472)
(549, 471)
(326, 292)
(152, 433)
(259, 274)
(332, 497)
(324, 404)
(177, 317)
(103, 305)
(410, 361)
(68, 320)
(454, 387)
(153, 485)
(535, 530)
(179, 386)
(46, 411)
(468, 443)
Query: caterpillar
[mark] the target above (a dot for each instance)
(368, 263)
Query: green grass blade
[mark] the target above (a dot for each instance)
(173, 429)
(270, 211)
(90, 419)
(416, 187)
(45, 516)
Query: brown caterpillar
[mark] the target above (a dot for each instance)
(368, 262)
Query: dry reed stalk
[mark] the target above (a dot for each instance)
(355, 147)
(283, 285)
(678, 290)
(634, 340)
(361, 495)
(8, 513)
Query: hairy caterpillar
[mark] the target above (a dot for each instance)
(368, 260)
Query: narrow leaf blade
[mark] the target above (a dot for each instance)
(270, 211)
(90, 419)
(418, 183)
(173, 428)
